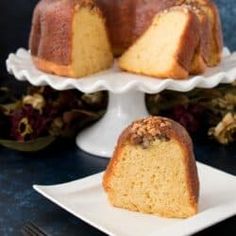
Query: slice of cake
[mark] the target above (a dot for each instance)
(153, 170)
(69, 38)
(167, 48)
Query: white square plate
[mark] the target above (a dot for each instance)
(86, 199)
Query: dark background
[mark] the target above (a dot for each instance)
(15, 21)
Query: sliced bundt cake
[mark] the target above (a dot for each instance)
(127, 20)
(153, 170)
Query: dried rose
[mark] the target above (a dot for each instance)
(24, 127)
(28, 123)
(190, 116)
(225, 131)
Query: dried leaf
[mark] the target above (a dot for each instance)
(225, 131)
(8, 108)
(29, 146)
(6, 95)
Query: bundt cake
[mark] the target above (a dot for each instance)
(69, 38)
(168, 46)
(153, 170)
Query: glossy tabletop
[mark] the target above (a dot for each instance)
(63, 162)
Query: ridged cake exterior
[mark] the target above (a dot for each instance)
(127, 20)
(215, 37)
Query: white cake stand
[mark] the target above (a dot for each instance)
(126, 94)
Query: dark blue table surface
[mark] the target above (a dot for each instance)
(63, 162)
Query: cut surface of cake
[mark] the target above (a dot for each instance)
(167, 48)
(153, 170)
(127, 20)
(69, 38)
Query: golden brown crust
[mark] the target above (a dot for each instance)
(35, 33)
(53, 68)
(217, 34)
(181, 135)
(190, 40)
(202, 51)
(174, 131)
(204, 47)
(51, 33)
(215, 37)
(122, 141)
(126, 21)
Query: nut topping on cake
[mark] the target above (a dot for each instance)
(145, 131)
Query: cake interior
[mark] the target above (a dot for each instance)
(156, 51)
(91, 50)
(152, 180)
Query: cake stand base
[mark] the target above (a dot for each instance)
(101, 138)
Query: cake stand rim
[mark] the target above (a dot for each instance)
(20, 65)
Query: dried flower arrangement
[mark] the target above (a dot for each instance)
(201, 111)
(34, 121)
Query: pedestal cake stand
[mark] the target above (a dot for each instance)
(126, 94)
